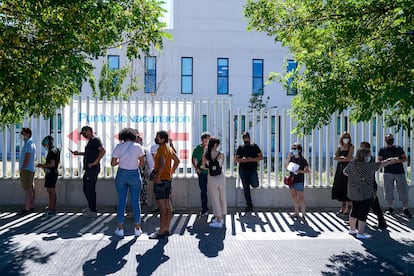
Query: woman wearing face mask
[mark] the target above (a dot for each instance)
(343, 156)
(297, 189)
(361, 173)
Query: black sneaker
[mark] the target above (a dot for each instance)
(23, 212)
(158, 235)
(390, 210)
(382, 225)
(203, 213)
(407, 213)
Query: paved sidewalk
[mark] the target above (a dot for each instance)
(258, 243)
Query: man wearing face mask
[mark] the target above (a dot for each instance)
(94, 151)
(248, 155)
(394, 174)
(27, 169)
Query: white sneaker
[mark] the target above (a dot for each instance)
(363, 236)
(216, 224)
(138, 232)
(119, 232)
(352, 232)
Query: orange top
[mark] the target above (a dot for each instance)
(166, 152)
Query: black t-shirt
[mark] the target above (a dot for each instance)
(91, 151)
(248, 150)
(389, 152)
(298, 178)
(53, 154)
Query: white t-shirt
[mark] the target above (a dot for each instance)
(154, 148)
(149, 160)
(128, 154)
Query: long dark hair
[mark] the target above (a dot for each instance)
(210, 146)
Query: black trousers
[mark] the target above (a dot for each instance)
(376, 208)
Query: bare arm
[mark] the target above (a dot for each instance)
(114, 161)
(176, 162)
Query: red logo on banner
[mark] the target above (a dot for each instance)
(183, 154)
(75, 136)
(178, 136)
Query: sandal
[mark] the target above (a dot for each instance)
(295, 216)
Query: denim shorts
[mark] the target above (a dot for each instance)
(299, 186)
(162, 190)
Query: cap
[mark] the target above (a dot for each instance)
(86, 128)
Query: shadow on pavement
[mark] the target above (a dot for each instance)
(211, 241)
(109, 259)
(386, 255)
(152, 258)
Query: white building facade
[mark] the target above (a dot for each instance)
(212, 54)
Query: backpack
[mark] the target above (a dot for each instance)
(214, 167)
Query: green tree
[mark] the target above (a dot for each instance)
(352, 54)
(46, 47)
(111, 81)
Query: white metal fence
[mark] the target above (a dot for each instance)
(185, 120)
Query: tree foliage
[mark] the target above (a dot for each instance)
(352, 54)
(46, 47)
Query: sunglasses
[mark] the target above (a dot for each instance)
(294, 148)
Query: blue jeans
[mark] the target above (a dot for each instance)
(128, 180)
(202, 182)
(249, 177)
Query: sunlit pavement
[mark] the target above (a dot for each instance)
(258, 243)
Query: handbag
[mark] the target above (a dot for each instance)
(288, 180)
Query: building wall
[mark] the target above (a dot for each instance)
(186, 194)
(205, 31)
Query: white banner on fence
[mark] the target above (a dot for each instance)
(107, 118)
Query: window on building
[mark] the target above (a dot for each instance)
(257, 87)
(113, 62)
(342, 125)
(150, 78)
(291, 67)
(204, 123)
(186, 75)
(222, 76)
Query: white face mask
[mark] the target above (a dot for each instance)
(345, 140)
(368, 159)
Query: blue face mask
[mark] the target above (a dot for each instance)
(368, 159)
(295, 152)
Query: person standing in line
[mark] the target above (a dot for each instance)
(248, 155)
(51, 172)
(375, 205)
(343, 156)
(153, 150)
(197, 158)
(361, 175)
(394, 173)
(166, 162)
(146, 171)
(27, 170)
(298, 187)
(129, 155)
(94, 151)
(216, 184)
